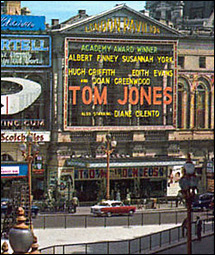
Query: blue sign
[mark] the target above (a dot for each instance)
(25, 50)
(15, 170)
(22, 23)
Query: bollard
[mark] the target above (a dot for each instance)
(34, 247)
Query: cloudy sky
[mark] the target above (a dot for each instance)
(64, 10)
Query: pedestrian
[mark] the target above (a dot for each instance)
(75, 203)
(184, 227)
(176, 201)
(199, 228)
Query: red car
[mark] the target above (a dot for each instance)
(112, 207)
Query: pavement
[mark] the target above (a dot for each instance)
(48, 237)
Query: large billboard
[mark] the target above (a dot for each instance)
(25, 51)
(22, 22)
(119, 83)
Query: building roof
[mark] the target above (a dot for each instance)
(66, 27)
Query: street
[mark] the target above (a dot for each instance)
(83, 218)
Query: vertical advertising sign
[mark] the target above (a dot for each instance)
(119, 83)
(175, 173)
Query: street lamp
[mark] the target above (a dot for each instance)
(110, 146)
(188, 184)
(30, 151)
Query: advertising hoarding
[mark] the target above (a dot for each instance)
(119, 83)
(22, 23)
(15, 170)
(25, 51)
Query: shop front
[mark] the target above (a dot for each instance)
(11, 172)
(141, 177)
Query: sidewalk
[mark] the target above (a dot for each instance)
(48, 237)
(205, 246)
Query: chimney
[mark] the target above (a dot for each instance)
(81, 12)
(55, 22)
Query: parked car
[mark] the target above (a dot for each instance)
(6, 201)
(112, 207)
(211, 206)
(202, 202)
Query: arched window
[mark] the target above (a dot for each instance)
(6, 157)
(202, 105)
(183, 104)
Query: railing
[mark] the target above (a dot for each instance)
(138, 245)
(139, 218)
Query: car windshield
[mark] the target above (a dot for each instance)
(117, 204)
(103, 204)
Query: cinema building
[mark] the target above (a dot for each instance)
(25, 95)
(123, 73)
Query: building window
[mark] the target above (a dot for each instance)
(181, 62)
(183, 104)
(6, 157)
(202, 62)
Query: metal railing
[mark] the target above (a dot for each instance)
(138, 245)
(140, 218)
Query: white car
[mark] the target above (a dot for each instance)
(110, 207)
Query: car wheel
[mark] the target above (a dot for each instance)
(131, 213)
(109, 214)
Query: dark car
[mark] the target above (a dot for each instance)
(202, 202)
(211, 206)
(7, 201)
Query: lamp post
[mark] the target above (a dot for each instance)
(188, 184)
(30, 151)
(110, 146)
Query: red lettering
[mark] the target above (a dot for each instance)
(92, 174)
(74, 94)
(157, 96)
(169, 96)
(123, 102)
(135, 172)
(136, 96)
(81, 174)
(84, 92)
(148, 96)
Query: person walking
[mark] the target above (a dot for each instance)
(184, 227)
(199, 228)
(75, 203)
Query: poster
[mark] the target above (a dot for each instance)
(174, 175)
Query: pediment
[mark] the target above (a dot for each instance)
(122, 21)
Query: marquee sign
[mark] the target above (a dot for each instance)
(119, 83)
(25, 51)
(121, 173)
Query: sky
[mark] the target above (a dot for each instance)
(64, 10)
